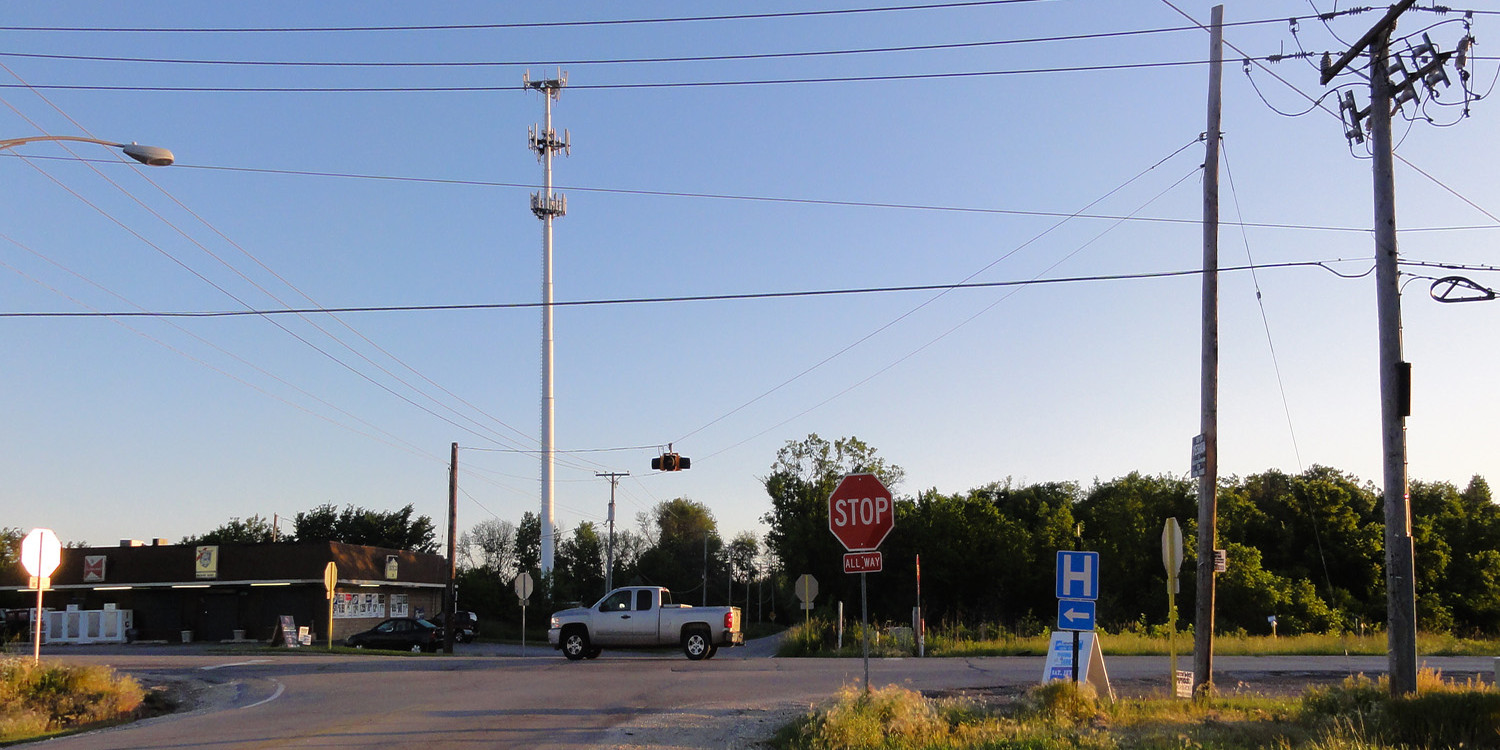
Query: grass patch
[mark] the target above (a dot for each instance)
(37, 700)
(1360, 714)
(817, 637)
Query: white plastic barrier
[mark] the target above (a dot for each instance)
(87, 626)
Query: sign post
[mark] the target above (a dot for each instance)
(861, 515)
(523, 587)
(40, 554)
(1077, 589)
(330, 582)
(807, 591)
(1171, 558)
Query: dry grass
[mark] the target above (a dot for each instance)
(1358, 715)
(41, 699)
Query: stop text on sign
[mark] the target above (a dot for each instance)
(861, 511)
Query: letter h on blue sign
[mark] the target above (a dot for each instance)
(1077, 575)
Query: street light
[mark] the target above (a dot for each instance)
(153, 156)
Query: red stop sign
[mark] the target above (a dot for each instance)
(860, 512)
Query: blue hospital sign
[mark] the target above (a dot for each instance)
(1077, 575)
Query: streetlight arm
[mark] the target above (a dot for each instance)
(154, 156)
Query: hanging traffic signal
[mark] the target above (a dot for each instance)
(671, 462)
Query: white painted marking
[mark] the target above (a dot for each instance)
(280, 688)
(234, 664)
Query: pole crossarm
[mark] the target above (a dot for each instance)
(1365, 41)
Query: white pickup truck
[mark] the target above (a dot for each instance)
(644, 617)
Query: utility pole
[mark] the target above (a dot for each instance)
(547, 206)
(450, 599)
(609, 563)
(1395, 375)
(1208, 482)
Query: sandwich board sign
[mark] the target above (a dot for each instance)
(1091, 669)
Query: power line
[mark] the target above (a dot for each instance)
(1324, 264)
(575, 450)
(773, 199)
(329, 355)
(604, 86)
(620, 61)
(516, 25)
(918, 350)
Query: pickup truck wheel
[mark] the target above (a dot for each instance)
(712, 652)
(594, 653)
(696, 644)
(575, 644)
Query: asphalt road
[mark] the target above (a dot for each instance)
(491, 696)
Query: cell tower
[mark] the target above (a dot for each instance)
(547, 206)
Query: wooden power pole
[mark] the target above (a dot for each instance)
(450, 598)
(1395, 375)
(1208, 481)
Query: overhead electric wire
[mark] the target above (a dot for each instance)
(1260, 302)
(1324, 264)
(974, 316)
(299, 337)
(560, 451)
(771, 198)
(1318, 104)
(237, 299)
(605, 86)
(1009, 253)
(494, 435)
(620, 61)
(384, 437)
(1449, 189)
(520, 24)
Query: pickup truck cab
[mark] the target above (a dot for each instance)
(644, 617)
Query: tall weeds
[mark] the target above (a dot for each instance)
(37, 699)
(1360, 714)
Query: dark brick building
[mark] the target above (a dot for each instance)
(212, 591)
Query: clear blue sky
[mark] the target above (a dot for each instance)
(142, 428)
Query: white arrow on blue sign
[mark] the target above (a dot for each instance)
(1077, 575)
(1075, 614)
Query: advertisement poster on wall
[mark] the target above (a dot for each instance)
(206, 562)
(350, 606)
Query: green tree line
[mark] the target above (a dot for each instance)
(1305, 548)
(395, 529)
